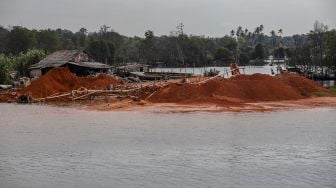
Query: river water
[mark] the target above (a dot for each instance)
(43, 146)
(222, 70)
(249, 70)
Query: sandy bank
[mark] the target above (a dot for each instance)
(129, 105)
(258, 92)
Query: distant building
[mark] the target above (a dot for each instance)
(78, 62)
(134, 67)
(125, 70)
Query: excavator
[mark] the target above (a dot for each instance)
(234, 69)
(234, 66)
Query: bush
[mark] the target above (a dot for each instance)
(6, 64)
(25, 60)
(211, 73)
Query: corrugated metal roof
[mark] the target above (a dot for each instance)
(57, 59)
(94, 65)
(62, 57)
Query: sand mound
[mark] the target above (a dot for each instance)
(62, 80)
(302, 84)
(240, 89)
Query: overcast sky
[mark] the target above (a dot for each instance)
(200, 17)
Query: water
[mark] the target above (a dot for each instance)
(326, 83)
(249, 70)
(43, 146)
(223, 70)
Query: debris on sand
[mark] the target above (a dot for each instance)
(60, 86)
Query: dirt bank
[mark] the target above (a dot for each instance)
(238, 90)
(240, 93)
(301, 84)
(129, 105)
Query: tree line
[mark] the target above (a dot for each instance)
(314, 50)
(175, 50)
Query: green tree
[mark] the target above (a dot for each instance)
(25, 60)
(318, 41)
(232, 33)
(101, 51)
(244, 59)
(128, 51)
(20, 39)
(193, 51)
(259, 52)
(6, 64)
(279, 52)
(47, 40)
(3, 39)
(66, 39)
(147, 47)
(223, 54)
(273, 36)
(280, 31)
(229, 43)
(80, 38)
(331, 49)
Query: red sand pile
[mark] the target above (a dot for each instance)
(7, 96)
(62, 80)
(237, 90)
(301, 84)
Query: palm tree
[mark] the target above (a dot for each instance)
(280, 31)
(83, 30)
(273, 35)
(260, 35)
(232, 33)
(261, 28)
(239, 31)
(257, 31)
(256, 34)
(249, 36)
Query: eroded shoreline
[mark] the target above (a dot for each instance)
(129, 105)
(242, 93)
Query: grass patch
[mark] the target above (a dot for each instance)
(322, 94)
(331, 93)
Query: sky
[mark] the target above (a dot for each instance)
(214, 18)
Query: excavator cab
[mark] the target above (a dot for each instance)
(234, 69)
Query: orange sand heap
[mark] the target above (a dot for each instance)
(62, 80)
(238, 90)
(301, 84)
(233, 92)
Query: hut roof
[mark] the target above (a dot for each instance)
(59, 58)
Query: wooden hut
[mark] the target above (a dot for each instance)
(78, 62)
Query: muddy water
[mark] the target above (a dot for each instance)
(44, 146)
